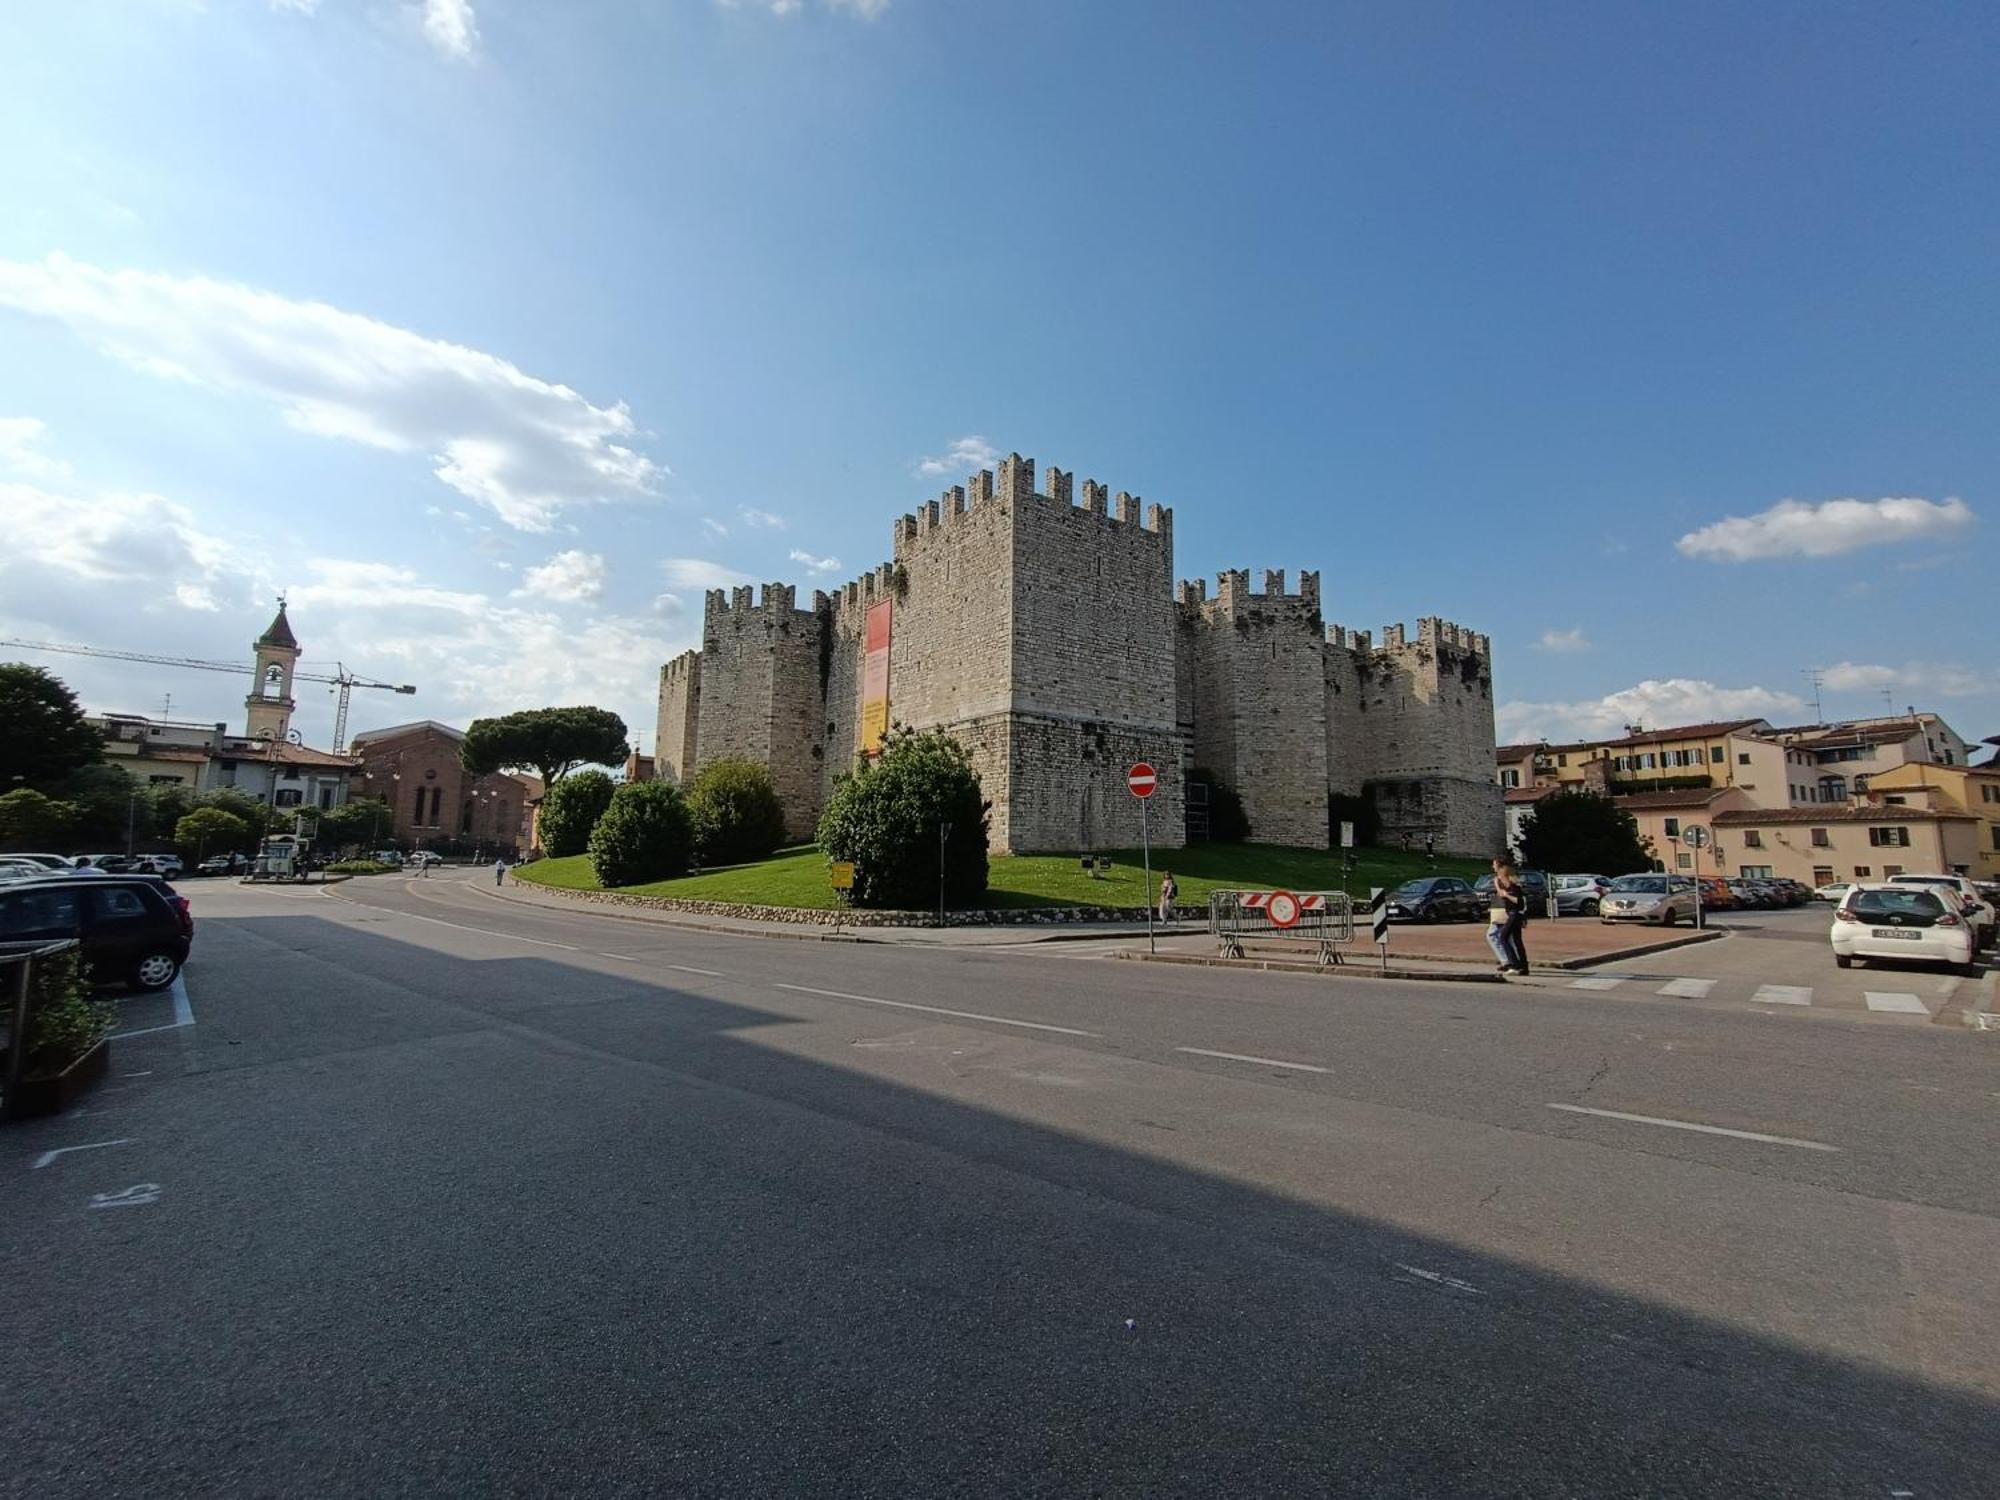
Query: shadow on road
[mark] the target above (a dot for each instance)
(565, 1230)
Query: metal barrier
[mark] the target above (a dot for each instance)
(1323, 918)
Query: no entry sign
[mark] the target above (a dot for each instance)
(1141, 780)
(1283, 909)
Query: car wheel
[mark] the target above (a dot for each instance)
(1843, 961)
(1590, 908)
(155, 971)
(1970, 971)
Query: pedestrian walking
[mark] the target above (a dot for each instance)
(500, 870)
(1503, 914)
(423, 867)
(1168, 890)
(1517, 925)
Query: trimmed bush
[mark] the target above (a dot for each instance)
(886, 816)
(359, 867)
(737, 814)
(645, 834)
(570, 810)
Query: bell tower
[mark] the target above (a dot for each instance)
(270, 702)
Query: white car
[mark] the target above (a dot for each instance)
(1833, 894)
(422, 857)
(168, 865)
(1913, 922)
(1983, 915)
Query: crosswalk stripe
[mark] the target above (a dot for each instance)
(1899, 1001)
(1686, 989)
(1595, 984)
(1782, 994)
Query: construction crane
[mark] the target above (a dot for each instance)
(342, 681)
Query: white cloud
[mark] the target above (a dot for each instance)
(1656, 704)
(815, 564)
(450, 26)
(1792, 528)
(570, 575)
(670, 606)
(20, 440)
(523, 447)
(966, 455)
(1563, 640)
(144, 546)
(1912, 680)
(866, 10)
(296, 7)
(714, 527)
(699, 573)
(761, 520)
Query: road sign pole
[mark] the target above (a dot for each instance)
(1146, 851)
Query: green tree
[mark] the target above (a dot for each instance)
(737, 814)
(645, 834)
(171, 803)
(1582, 831)
(257, 814)
(43, 735)
(210, 830)
(358, 821)
(32, 820)
(551, 742)
(570, 810)
(110, 802)
(886, 818)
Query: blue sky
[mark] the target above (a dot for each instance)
(1657, 342)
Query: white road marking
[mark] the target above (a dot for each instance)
(48, 1156)
(935, 1010)
(1598, 982)
(691, 969)
(1441, 1279)
(1262, 1062)
(1897, 1002)
(1782, 994)
(483, 931)
(136, 1196)
(1741, 1135)
(1686, 989)
(183, 1013)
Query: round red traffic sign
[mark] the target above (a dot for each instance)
(1283, 909)
(1142, 780)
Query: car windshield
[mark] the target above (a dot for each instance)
(1640, 885)
(1418, 887)
(1910, 904)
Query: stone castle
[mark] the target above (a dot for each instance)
(1048, 637)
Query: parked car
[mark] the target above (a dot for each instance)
(132, 928)
(422, 858)
(46, 861)
(20, 869)
(1716, 894)
(1916, 922)
(1534, 882)
(1834, 893)
(168, 865)
(1794, 892)
(1580, 895)
(1436, 898)
(387, 856)
(110, 864)
(1649, 898)
(1984, 917)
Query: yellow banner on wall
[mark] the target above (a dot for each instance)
(875, 678)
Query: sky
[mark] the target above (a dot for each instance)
(1656, 342)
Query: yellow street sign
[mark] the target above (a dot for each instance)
(842, 871)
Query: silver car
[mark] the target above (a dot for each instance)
(1580, 895)
(1647, 898)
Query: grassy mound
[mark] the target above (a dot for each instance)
(797, 877)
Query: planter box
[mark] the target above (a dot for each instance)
(57, 1091)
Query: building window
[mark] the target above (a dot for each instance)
(288, 796)
(1890, 872)
(1673, 828)
(437, 802)
(1822, 874)
(1510, 778)
(1996, 835)
(1861, 872)
(1715, 754)
(1757, 872)
(326, 794)
(1563, 759)
(1753, 838)
(417, 815)
(1820, 841)
(1895, 801)
(1860, 785)
(1743, 757)
(1889, 838)
(1684, 861)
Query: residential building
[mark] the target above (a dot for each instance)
(1972, 790)
(1851, 841)
(433, 801)
(1517, 805)
(1845, 758)
(1662, 817)
(161, 752)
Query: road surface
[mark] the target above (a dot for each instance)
(417, 1191)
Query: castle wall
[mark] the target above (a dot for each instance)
(679, 717)
(760, 694)
(1260, 702)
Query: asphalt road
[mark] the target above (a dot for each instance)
(439, 1194)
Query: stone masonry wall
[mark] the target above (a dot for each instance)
(760, 694)
(679, 718)
(1261, 704)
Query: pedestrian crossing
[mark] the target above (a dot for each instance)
(1878, 1002)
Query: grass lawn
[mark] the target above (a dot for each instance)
(797, 877)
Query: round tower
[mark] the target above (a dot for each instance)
(270, 701)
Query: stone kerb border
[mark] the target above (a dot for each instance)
(854, 917)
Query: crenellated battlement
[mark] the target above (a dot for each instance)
(683, 668)
(1014, 485)
(1435, 637)
(778, 599)
(1233, 593)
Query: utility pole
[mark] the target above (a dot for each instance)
(1815, 676)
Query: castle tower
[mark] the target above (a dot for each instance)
(270, 702)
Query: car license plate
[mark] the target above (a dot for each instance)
(1899, 932)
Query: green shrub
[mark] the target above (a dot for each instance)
(63, 1021)
(211, 830)
(359, 867)
(645, 834)
(737, 814)
(886, 817)
(570, 810)
(30, 820)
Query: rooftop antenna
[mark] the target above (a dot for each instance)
(167, 706)
(1815, 676)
